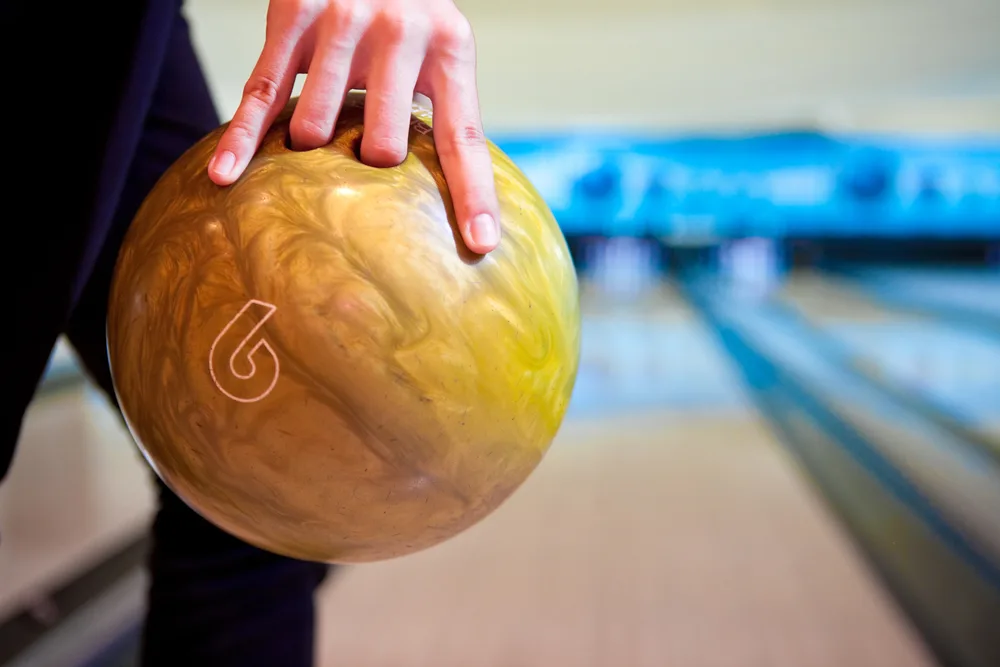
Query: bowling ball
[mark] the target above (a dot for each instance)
(313, 360)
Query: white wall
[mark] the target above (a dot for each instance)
(695, 65)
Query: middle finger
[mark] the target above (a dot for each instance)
(323, 93)
(391, 81)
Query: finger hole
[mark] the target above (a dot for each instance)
(347, 143)
(355, 146)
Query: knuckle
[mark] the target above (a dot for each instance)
(263, 88)
(294, 12)
(399, 28)
(393, 28)
(241, 127)
(239, 131)
(291, 18)
(348, 17)
(455, 37)
(463, 137)
(307, 7)
(289, 6)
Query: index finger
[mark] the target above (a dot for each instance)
(267, 90)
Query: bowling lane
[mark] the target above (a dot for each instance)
(631, 346)
(76, 493)
(665, 518)
(973, 290)
(830, 302)
(961, 476)
(918, 495)
(962, 479)
(956, 368)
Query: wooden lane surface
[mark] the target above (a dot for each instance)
(76, 492)
(656, 539)
(829, 302)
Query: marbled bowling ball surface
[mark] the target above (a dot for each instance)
(313, 360)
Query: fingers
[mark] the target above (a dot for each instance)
(327, 81)
(390, 47)
(389, 99)
(264, 95)
(461, 144)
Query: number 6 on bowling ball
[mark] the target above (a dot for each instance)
(312, 359)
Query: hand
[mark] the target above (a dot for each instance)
(391, 48)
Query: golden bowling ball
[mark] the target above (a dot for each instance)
(313, 361)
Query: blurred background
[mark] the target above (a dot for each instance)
(784, 447)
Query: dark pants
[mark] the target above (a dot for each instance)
(214, 600)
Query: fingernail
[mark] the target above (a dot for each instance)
(484, 230)
(223, 163)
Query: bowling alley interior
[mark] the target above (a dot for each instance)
(782, 447)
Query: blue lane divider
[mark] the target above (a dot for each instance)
(762, 374)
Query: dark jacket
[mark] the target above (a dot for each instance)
(80, 79)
